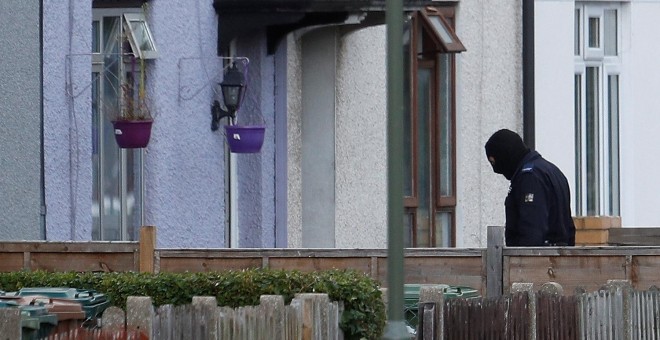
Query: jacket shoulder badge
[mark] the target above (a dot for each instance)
(527, 167)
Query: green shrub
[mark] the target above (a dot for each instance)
(363, 316)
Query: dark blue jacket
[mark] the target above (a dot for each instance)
(538, 207)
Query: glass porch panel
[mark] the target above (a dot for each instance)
(109, 173)
(424, 77)
(443, 223)
(445, 150)
(578, 144)
(408, 223)
(133, 195)
(613, 147)
(96, 122)
(578, 30)
(592, 147)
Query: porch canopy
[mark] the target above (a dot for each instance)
(280, 17)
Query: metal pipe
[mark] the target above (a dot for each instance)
(396, 327)
(528, 72)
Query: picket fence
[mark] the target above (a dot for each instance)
(614, 312)
(307, 317)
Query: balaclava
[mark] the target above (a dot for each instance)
(508, 149)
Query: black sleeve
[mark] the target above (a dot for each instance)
(531, 201)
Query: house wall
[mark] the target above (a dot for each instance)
(555, 65)
(184, 164)
(20, 131)
(640, 84)
(489, 97)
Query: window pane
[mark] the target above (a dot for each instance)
(613, 118)
(133, 194)
(424, 78)
(592, 142)
(578, 29)
(610, 26)
(407, 118)
(445, 121)
(594, 32)
(443, 222)
(408, 222)
(96, 43)
(142, 37)
(96, 117)
(578, 144)
(443, 32)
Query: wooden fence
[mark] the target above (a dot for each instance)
(490, 270)
(307, 317)
(614, 312)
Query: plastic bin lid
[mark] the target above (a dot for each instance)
(85, 297)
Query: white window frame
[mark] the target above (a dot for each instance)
(126, 202)
(607, 66)
(138, 17)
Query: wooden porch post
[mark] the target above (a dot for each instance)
(147, 249)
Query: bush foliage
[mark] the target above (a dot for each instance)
(364, 310)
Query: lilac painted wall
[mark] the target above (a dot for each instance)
(185, 160)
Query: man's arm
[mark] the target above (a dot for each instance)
(532, 206)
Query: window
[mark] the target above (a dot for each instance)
(597, 105)
(430, 142)
(117, 173)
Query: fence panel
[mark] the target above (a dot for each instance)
(645, 316)
(504, 318)
(556, 317)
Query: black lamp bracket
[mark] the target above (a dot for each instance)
(218, 113)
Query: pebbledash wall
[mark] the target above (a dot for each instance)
(185, 161)
(185, 164)
(20, 131)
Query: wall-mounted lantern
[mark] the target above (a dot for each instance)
(233, 89)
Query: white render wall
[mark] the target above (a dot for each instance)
(489, 97)
(489, 94)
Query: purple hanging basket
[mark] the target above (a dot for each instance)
(245, 138)
(132, 133)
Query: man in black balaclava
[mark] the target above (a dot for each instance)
(538, 207)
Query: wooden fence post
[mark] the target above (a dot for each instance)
(436, 295)
(494, 262)
(10, 323)
(275, 315)
(147, 249)
(626, 290)
(140, 314)
(528, 288)
(205, 317)
(314, 309)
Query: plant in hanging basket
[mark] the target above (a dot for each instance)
(132, 120)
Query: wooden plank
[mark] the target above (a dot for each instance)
(582, 251)
(570, 272)
(179, 265)
(50, 247)
(11, 262)
(147, 248)
(494, 261)
(635, 236)
(644, 272)
(310, 252)
(318, 263)
(82, 262)
(458, 271)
